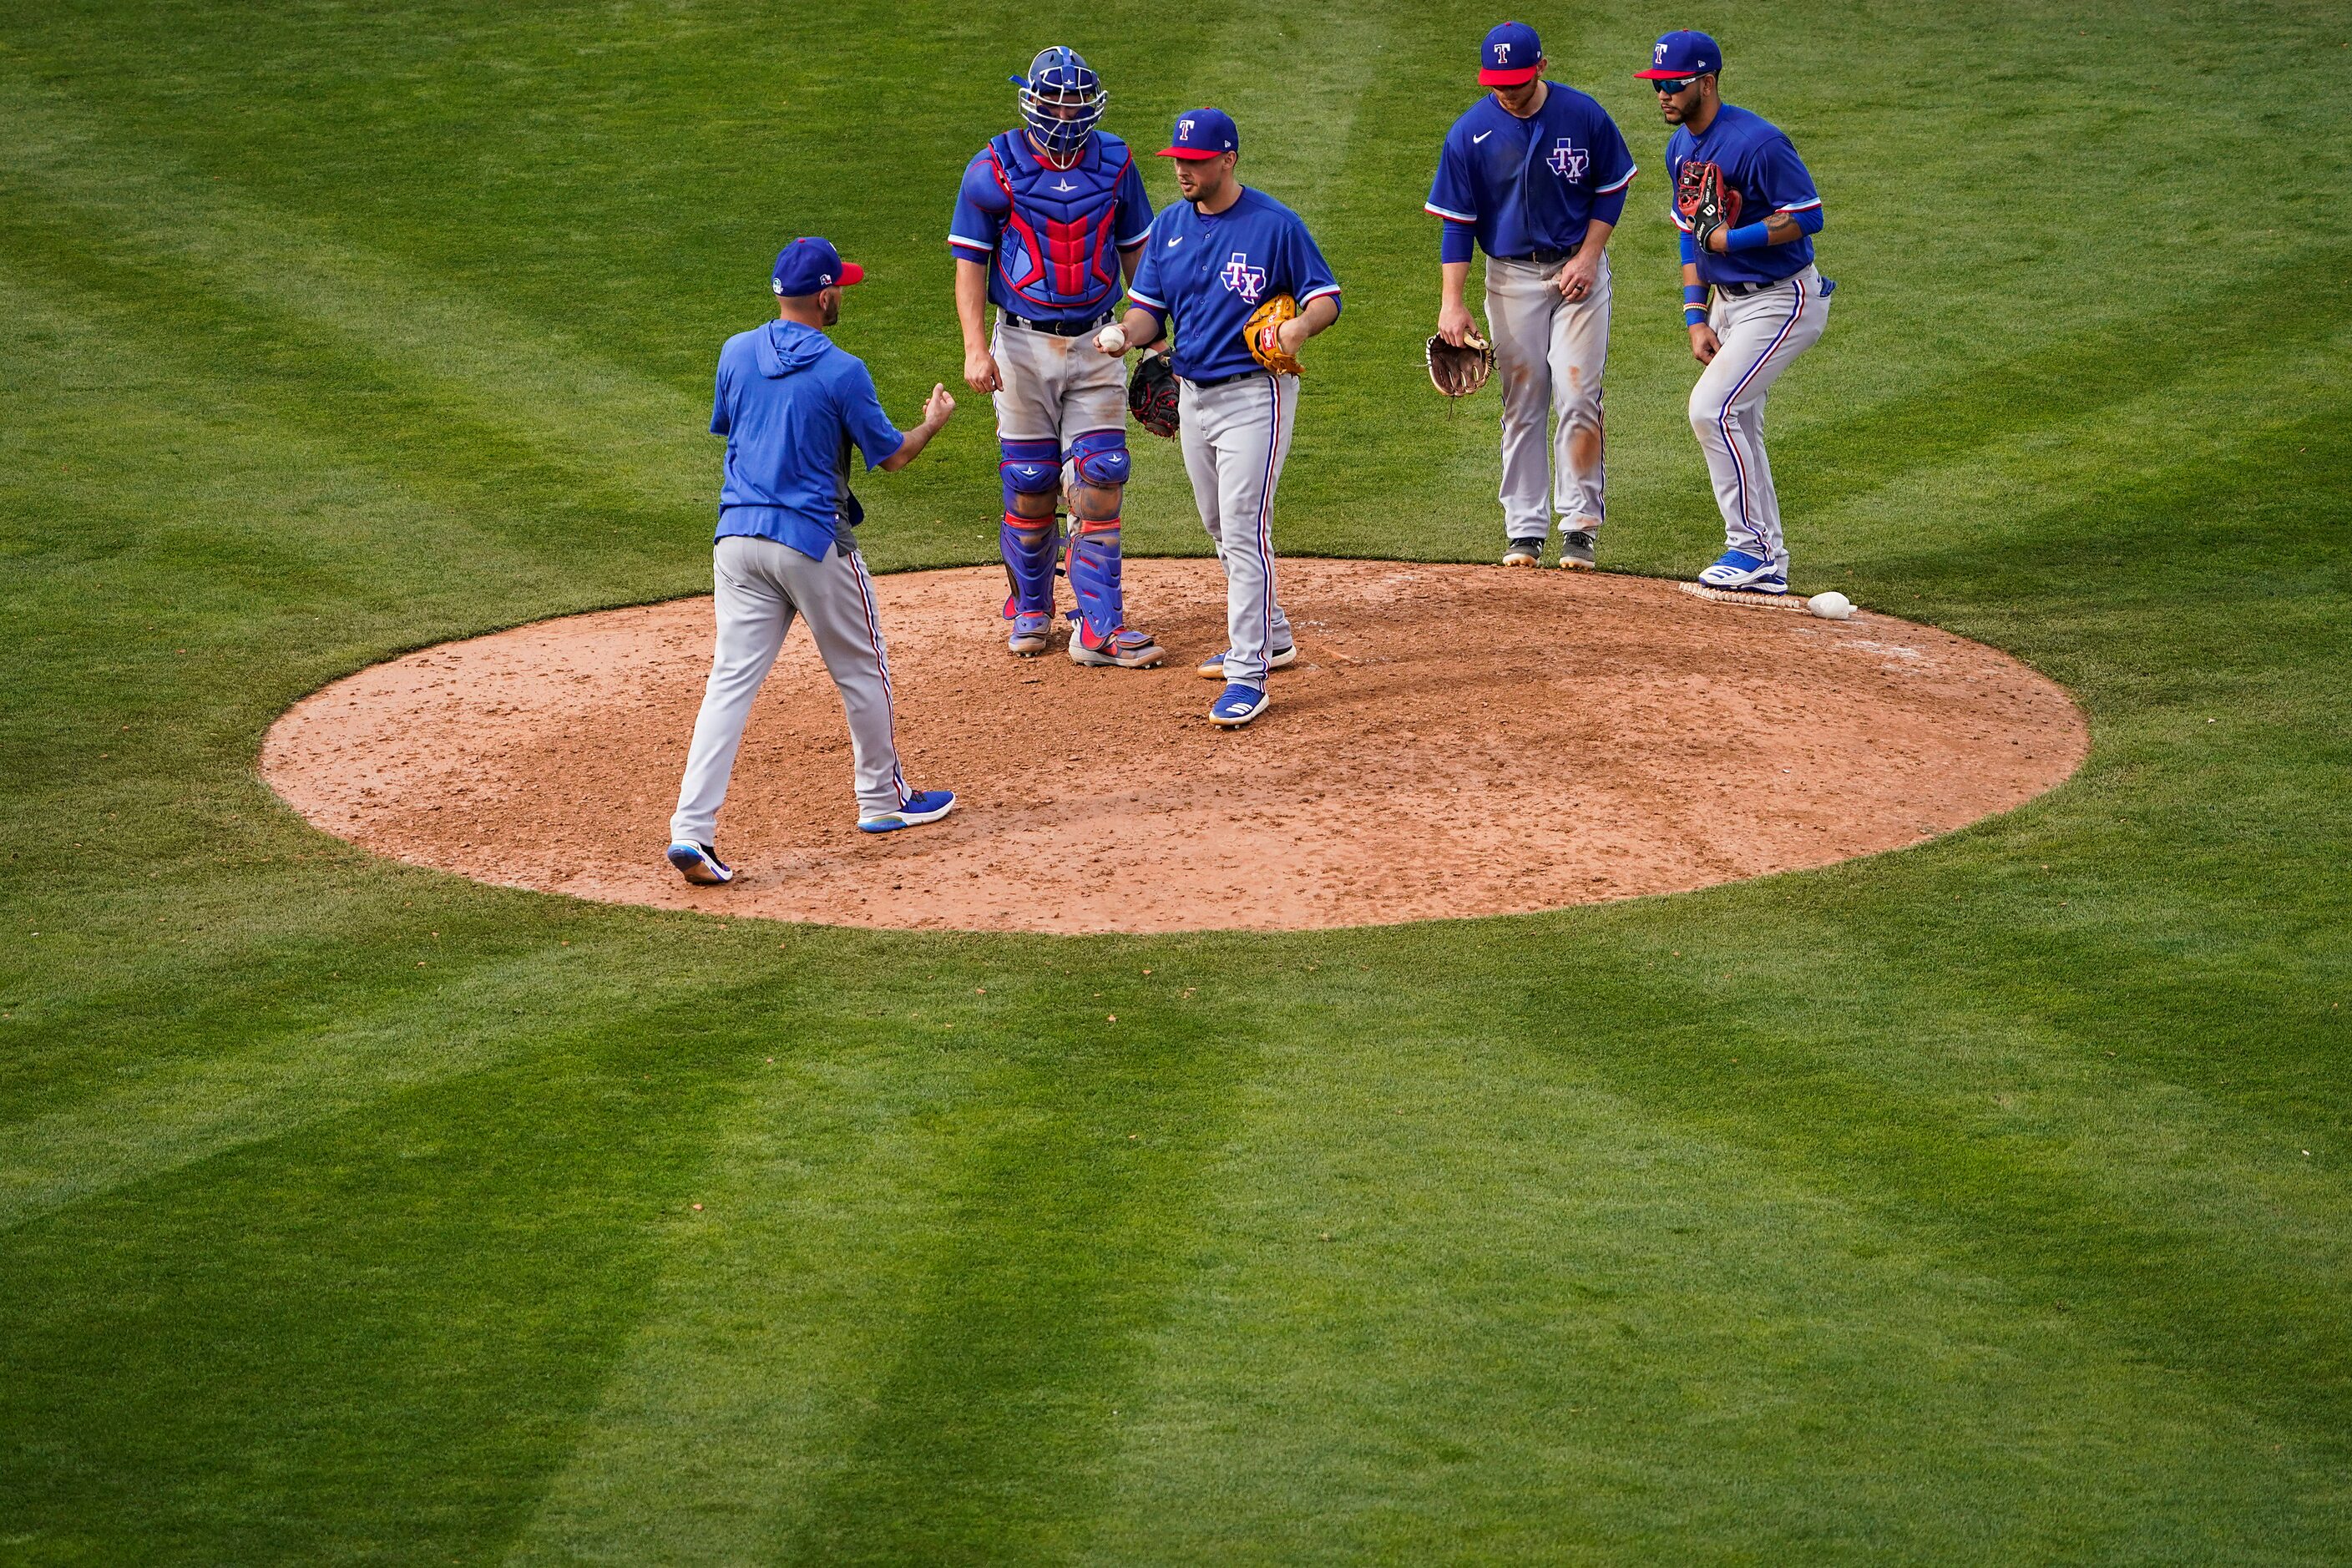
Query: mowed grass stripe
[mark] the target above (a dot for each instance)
(1551, 1324)
(541, 385)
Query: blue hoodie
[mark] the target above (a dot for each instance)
(791, 404)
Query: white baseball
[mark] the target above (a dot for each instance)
(1831, 606)
(1112, 340)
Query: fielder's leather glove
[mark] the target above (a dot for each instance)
(1152, 394)
(1706, 202)
(1264, 344)
(1460, 369)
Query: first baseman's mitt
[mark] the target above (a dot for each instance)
(1265, 346)
(1706, 201)
(1152, 394)
(1460, 369)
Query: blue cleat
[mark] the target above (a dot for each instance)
(700, 864)
(1739, 569)
(1238, 706)
(923, 806)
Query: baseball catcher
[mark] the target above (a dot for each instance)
(1048, 224)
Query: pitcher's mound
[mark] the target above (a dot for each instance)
(1453, 740)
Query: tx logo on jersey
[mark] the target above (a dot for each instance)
(1568, 160)
(1243, 279)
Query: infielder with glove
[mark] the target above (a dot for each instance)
(1535, 174)
(1769, 303)
(791, 404)
(1048, 222)
(1244, 287)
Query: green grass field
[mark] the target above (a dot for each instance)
(1983, 1203)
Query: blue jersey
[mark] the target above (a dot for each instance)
(791, 404)
(1051, 239)
(1758, 162)
(1524, 186)
(1210, 272)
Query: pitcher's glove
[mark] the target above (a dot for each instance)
(1706, 202)
(1152, 394)
(1460, 369)
(1264, 344)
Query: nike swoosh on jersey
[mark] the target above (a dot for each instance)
(1480, 137)
(1175, 242)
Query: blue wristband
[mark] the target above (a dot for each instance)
(1748, 237)
(1694, 316)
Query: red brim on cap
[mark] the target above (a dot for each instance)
(1508, 79)
(1190, 154)
(850, 273)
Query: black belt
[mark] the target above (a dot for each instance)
(1738, 290)
(1060, 329)
(1545, 258)
(1224, 380)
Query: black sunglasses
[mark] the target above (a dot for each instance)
(1680, 84)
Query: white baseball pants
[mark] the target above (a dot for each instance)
(1236, 438)
(758, 586)
(1549, 355)
(1761, 333)
(1056, 389)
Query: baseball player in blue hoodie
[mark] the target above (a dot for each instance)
(790, 405)
(1751, 297)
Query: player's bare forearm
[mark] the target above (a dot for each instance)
(1126, 262)
(980, 372)
(938, 409)
(971, 304)
(1320, 313)
(1454, 323)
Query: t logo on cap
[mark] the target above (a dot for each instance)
(1510, 57)
(1203, 133)
(1679, 55)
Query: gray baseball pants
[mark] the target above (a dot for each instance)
(1549, 355)
(1236, 438)
(758, 586)
(1761, 333)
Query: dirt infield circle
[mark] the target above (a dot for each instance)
(1453, 741)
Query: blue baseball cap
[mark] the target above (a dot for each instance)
(1510, 56)
(1203, 133)
(1678, 54)
(805, 266)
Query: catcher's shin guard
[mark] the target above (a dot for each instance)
(1028, 544)
(1093, 567)
(1100, 637)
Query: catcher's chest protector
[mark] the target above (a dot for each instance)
(1059, 250)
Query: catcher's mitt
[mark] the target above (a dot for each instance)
(1459, 369)
(1152, 394)
(1705, 200)
(1265, 347)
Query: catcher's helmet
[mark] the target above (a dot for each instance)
(1060, 82)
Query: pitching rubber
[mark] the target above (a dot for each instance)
(1746, 600)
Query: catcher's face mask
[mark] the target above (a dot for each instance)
(1060, 101)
